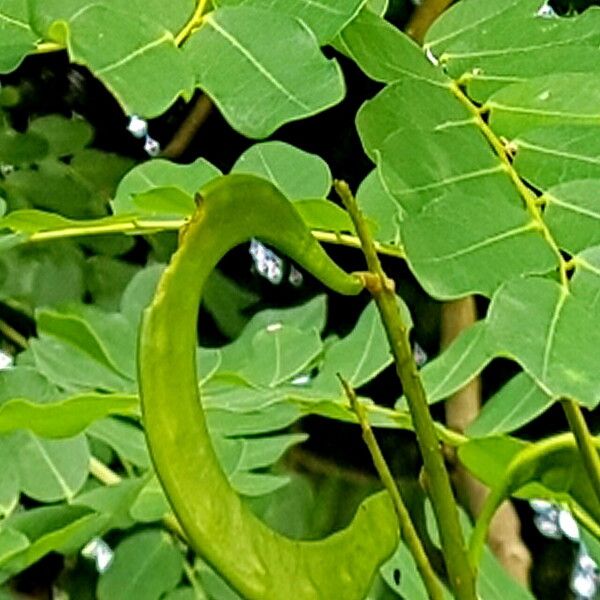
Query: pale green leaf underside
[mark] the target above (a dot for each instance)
(51, 470)
(250, 69)
(38, 531)
(125, 438)
(10, 487)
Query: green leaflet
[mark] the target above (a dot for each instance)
(296, 173)
(360, 356)
(16, 37)
(134, 43)
(384, 53)
(552, 155)
(254, 559)
(518, 402)
(559, 351)
(160, 173)
(250, 68)
(511, 43)
(34, 533)
(171, 16)
(572, 214)
(47, 470)
(146, 565)
(482, 243)
(556, 99)
(464, 358)
(378, 204)
(325, 18)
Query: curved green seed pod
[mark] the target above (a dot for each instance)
(258, 562)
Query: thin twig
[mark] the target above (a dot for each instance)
(183, 137)
(103, 473)
(193, 23)
(11, 334)
(344, 239)
(407, 529)
(423, 16)
(462, 577)
(504, 535)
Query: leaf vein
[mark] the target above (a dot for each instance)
(138, 52)
(256, 63)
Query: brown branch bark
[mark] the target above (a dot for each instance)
(423, 16)
(504, 537)
(189, 128)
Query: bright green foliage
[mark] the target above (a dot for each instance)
(125, 43)
(325, 20)
(157, 568)
(160, 173)
(550, 468)
(297, 174)
(235, 39)
(16, 37)
(499, 96)
(518, 402)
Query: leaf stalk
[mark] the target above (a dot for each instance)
(461, 575)
(407, 528)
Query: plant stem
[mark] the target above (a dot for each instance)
(141, 226)
(529, 197)
(103, 473)
(585, 442)
(462, 577)
(186, 132)
(423, 16)
(195, 21)
(407, 529)
(353, 242)
(190, 573)
(47, 47)
(11, 334)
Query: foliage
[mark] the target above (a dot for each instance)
(485, 177)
